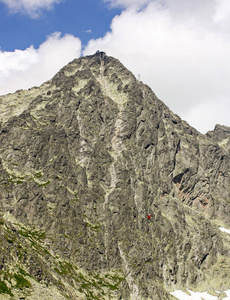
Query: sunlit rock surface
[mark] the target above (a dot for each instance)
(83, 160)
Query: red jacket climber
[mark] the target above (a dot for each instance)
(149, 216)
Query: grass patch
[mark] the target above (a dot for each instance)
(9, 237)
(38, 175)
(21, 282)
(37, 235)
(93, 227)
(16, 179)
(44, 184)
(23, 272)
(64, 268)
(4, 289)
(95, 286)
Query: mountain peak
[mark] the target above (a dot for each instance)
(84, 159)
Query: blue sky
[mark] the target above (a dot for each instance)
(85, 19)
(180, 48)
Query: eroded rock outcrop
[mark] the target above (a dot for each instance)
(83, 160)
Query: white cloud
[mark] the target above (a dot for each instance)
(223, 11)
(23, 69)
(30, 7)
(181, 49)
(206, 115)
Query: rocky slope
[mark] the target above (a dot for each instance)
(83, 160)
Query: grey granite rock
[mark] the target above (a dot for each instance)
(83, 160)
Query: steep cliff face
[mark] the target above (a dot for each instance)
(83, 160)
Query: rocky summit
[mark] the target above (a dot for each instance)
(107, 194)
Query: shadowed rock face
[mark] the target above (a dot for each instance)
(83, 160)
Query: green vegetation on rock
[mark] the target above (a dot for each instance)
(84, 159)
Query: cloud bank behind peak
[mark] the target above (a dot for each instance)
(180, 49)
(32, 8)
(23, 69)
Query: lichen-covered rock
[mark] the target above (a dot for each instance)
(83, 160)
